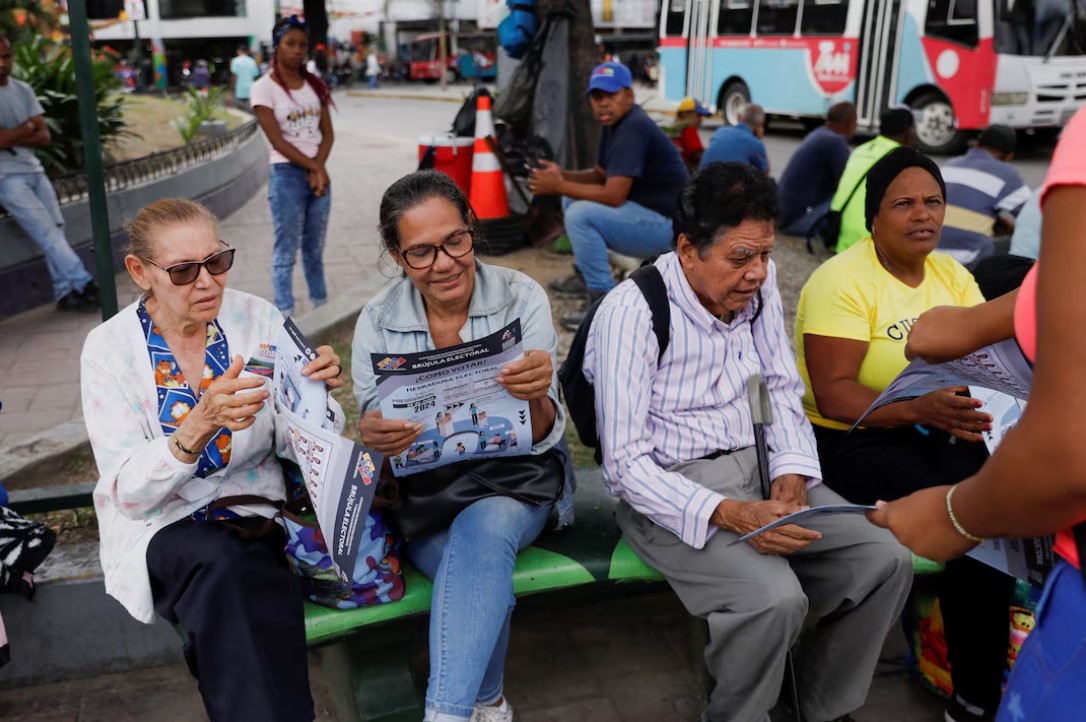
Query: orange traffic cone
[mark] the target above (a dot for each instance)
(487, 181)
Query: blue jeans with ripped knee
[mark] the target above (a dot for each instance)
(471, 564)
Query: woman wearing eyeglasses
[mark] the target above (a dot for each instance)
(174, 426)
(445, 297)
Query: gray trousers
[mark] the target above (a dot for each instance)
(853, 582)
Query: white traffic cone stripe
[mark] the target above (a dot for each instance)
(484, 162)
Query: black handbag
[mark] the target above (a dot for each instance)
(430, 500)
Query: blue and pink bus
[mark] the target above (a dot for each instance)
(960, 64)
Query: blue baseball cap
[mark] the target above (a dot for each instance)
(610, 78)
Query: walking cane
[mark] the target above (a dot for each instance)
(761, 413)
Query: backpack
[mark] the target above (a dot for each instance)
(828, 227)
(577, 390)
(515, 33)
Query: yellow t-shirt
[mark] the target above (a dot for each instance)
(852, 296)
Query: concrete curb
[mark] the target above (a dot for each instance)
(48, 448)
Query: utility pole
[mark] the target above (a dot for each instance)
(92, 155)
(442, 45)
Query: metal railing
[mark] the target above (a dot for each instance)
(130, 173)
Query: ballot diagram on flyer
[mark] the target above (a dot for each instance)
(1000, 367)
(452, 392)
(340, 475)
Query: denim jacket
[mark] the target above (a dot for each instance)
(394, 322)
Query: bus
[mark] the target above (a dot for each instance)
(959, 64)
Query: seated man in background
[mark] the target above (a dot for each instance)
(741, 142)
(677, 440)
(684, 131)
(810, 178)
(27, 194)
(984, 193)
(897, 127)
(625, 202)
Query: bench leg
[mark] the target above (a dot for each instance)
(372, 677)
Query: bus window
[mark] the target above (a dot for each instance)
(735, 17)
(1042, 29)
(777, 17)
(676, 16)
(824, 17)
(954, 20)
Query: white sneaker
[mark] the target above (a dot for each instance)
(489, 713)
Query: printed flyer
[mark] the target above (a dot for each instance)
(452, 392)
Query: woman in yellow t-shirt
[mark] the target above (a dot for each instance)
(853, 322)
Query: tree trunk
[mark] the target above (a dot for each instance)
(583, 57)
(316, 17)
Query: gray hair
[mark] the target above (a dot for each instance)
(753, 115)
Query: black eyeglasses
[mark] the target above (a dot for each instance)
(182, 274)
(457, 245)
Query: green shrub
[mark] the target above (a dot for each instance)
(199, 108)
(50, 71)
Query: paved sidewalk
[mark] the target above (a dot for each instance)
(376, 142)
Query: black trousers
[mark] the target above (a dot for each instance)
(867, 465)
(997, 275)
(241, 608)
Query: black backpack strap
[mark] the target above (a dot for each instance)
(651, 284)
(855, 188)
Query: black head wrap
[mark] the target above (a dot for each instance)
(889, 167)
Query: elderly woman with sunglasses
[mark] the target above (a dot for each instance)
(444, 297)
(175, 426)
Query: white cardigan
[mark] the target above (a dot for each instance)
(143, 487)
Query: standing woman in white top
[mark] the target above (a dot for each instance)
(291, 105)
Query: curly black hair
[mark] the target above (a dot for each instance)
(720, 197)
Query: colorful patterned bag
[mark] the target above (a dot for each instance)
(377, 575)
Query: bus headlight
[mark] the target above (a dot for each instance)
(1010, 98)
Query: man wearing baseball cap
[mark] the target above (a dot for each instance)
(684, 131)
(626, 201)
(984, 194)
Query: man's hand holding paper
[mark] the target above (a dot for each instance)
(743, 517)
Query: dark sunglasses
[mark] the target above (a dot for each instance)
(182, 274)
(457, 245)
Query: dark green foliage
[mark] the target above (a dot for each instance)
(50, 71)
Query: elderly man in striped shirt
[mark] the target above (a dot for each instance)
(677, 440)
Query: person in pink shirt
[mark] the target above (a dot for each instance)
(1035, 482)
(291, 104)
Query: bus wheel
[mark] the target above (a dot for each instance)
(733, 98)
(450, 76)
(936, 129)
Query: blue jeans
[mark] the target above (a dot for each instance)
(802, 225)
(301, 219)
(1047, 684)
(32, 202)
(373, 82)
(630, 229)
(471, 564)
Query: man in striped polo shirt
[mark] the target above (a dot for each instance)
(983, 196)
(677, 438)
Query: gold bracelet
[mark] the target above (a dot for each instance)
(183, 449)
(954, 519)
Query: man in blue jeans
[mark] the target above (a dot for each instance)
(626, 201)
(27, 194)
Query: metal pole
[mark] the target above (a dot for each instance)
(442, 47)
(92, 155)
(139, 55)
